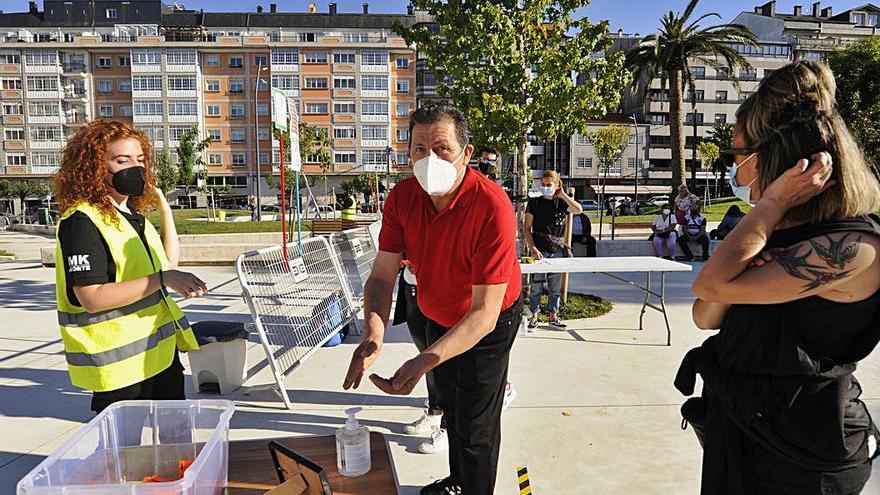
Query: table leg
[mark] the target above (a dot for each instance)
(663, 305)
(647, 290)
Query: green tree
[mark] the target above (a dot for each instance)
(23, 189)
(511, 68)
(166, 172)
(609, 142)
(722, 135)
(668, 54)
(189, 159)
(707, 153)
(858, 94)
(312, 141)
(5, 190)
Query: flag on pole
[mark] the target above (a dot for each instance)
(279, 109)
(293, 114)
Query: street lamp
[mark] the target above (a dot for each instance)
(638, 162)
(257, 81)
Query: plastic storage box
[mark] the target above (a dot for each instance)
(133, 440)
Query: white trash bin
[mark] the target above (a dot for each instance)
(222, 355)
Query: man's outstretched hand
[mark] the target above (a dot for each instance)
(406, 378)
(363, 357)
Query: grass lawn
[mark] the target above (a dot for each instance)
(193, 222)
(714, 212)
(578, 306)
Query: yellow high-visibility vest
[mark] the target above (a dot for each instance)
(119, 347)
(349, 213)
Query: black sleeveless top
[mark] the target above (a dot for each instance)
(779, 386)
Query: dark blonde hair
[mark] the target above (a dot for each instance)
(793, 115)
(553, 175)
(84, 166)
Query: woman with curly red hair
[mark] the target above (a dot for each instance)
(121, 330)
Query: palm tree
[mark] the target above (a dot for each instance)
(667, 54)
(722, 135)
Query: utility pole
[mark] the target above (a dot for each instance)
(694, 143)
(637, 163)
(256, 180)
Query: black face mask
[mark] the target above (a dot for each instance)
(129, 181)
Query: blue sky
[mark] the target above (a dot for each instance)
(633, 16)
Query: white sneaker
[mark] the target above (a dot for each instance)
(423, 425)
(439, 442)
(509, 395)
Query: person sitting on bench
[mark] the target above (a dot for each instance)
(694, 230)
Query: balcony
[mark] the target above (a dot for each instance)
(374, 118)
(46, 145)
(146, 93)
(46, 170)
(183, 93)
(44, 119)
(285, 67)
(384, 68)
(13, 120)
(182, 68)
(74, 94)
(74, 68)
(374, 143)
(42, 69)
(11, 94)
(374, 93)
(75, 119)
(17, 145)
(152, 68)
(291, 92)
(183, 118)
(146, 119)
(53, 94)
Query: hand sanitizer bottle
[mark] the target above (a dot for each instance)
(353, 447)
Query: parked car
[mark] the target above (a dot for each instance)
(589, 204)
(658, 200)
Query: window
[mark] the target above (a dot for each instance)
(215, 159)
(125, 61)
(146, 83)
(344, 133)
(237, 135)
(41, 57)
(13, 134)
(263, 133)
(44, 159)
(316, 57)
(343, 58)
(285, 57)
(316, 83)
(212, 85)
(402, 134)
(700, 94)
(748, 75)
(214, 134)
(212, 110)
(261, 60)
(104, 62)
(148, 108)
(286, 83)
(634, 164)
(345, 157)
(699, 72)
(111, 13)
(236, 86)
(722, 73)
(9, 58)
(403, 86)
(584, 162)
(46, 134)
(146, 57)
(43, 84)
(316, 108)
(583, 140)
(313, 158)
(721, 95)
(344, 107)
(106, 111)
(125, 86)
(15, 160)
(371, 57)
(743, 95)
(264, 159)
(181, 57)
(402, 63)
(238, 159)
(181, 83)
(236, 111)
(125, 110)
(374, 83)
(374, 108)
(402, 159)
(307, 37)
(12, 109)
(344, 83)
(11, 83)
(720, 118)
(375, 133)
(183, 108)
(872, 19)
(236, 61)
(262, 109)
(105, 86)
(402, 109)
(374, 159)
(859, 19)
(658, 118)
(356, 38)
(43, 109)
(212, 60)
(262, 85)
(176, 132)
(690, 118)
(154, 133)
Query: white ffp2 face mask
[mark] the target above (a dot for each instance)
(436, 175)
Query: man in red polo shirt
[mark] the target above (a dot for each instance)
(458, 230)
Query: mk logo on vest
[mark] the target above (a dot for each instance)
(78, 263)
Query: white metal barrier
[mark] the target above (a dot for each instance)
(297, 303)
(356, 253)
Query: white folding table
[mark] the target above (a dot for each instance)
(609, 266)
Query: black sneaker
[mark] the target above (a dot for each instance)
(446, 486)
(533, 321)
(557, 323)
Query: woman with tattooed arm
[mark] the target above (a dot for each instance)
(795, 292)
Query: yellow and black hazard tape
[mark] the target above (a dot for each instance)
(522, 476)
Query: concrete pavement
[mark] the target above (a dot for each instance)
(596, 410)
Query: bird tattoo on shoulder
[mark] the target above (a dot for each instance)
(836, 255)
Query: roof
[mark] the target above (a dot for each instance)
(284, 19)
(21, 20)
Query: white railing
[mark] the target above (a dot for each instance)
(146, 118)
(189, 68)
(46, 145)
(42, 69)
(374, 143)
(374, 93)
(146, 93)
(183, 93)
(74, 95)
(44, 119)
(154, 68)
(44, 170)
(374, 118)
(285, 67)
(44, 94)
(183, 118)
(375, 68)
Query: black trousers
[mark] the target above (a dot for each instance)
(471, 388)
(686, 249)
(417, 323)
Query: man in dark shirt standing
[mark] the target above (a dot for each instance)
(545, 234)
(458, 230)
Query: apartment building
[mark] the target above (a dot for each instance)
(167, 70)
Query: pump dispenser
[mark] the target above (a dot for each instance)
(353, 446)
